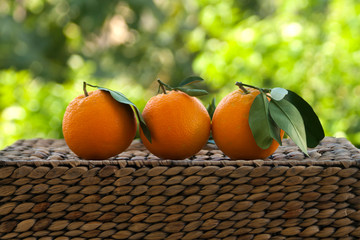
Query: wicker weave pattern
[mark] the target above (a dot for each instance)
(46, 192)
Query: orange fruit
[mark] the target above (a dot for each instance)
(179, 125)
(231, 130)
(97, 126)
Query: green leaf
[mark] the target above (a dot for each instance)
(263, 127)
(211, 108)
(278, 93)
(288, 118)
(190, 80)
(259, 121)
(313, 128)
(118, 96)
(143, 125)
(192, 92)
(263, 130)
(274, 130)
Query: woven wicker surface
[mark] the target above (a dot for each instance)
(46, 192)
(331, 151)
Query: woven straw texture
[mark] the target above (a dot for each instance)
(46, 192)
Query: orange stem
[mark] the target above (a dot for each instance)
(84, 88)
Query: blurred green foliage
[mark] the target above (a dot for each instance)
(49, 47)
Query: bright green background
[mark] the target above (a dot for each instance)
(49, 47)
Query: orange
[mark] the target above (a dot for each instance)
(231, 130)
(97, 126)
(179, 125)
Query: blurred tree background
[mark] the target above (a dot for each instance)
(49, 47)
